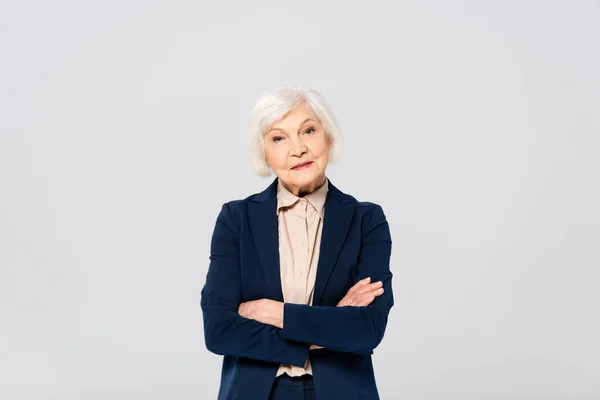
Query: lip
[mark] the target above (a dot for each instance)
(302, 164)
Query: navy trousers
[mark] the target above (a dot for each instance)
(293, 388)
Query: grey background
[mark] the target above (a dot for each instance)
(475, 124)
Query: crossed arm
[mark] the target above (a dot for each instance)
(287, 330)
(270, 312)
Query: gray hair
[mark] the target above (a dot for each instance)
(272, 106)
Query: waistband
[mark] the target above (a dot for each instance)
(305, 380)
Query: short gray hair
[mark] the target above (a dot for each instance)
(272, 106)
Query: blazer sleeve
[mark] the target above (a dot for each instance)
(350, 329)
(225, 331)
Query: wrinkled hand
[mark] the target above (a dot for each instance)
(265, 311)
(362, 293)
(270, 312)
(249, 308)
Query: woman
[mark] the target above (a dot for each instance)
(299, 288)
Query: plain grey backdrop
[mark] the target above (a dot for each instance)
(475, 124)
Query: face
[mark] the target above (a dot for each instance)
(299, 137)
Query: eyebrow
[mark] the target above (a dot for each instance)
(303, 122)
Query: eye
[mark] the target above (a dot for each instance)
(275, 139)
(309, 129)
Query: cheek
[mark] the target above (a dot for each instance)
(321, 150)
(276, 157)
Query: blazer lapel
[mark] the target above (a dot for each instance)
(336, 224)
(338, 211)
(265, 232)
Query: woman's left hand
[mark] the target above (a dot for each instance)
(265, 311)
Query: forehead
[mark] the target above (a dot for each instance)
(295, 117)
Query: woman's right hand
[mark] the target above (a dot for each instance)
(362, 294)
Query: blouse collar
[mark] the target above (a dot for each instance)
(316, 198)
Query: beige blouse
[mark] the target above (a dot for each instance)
(300, 227)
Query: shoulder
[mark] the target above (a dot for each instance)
(367, 215)
(234, 207)
(232, 211)
(371, 216)
(369, 208)
(368, 211)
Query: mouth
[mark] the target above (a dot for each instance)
(302, 165)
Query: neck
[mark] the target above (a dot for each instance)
(302, 191)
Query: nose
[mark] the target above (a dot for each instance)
(298, 148)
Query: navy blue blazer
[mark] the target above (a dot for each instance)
(244, 266)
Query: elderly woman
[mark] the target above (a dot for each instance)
(299, 287)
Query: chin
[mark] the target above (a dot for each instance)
(306, 178)
(311, 181)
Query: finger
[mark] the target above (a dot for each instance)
(368, 298)
(362, 282)
(349, 301)
(365, 300)
(354, 297)
(370, 288)
(345, 301)
(359, 285)
(361, 300)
